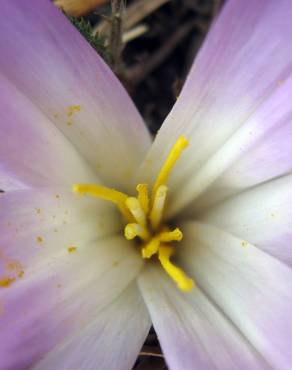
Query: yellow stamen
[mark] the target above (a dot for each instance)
(169, 236)
(181, 279)
(137, 211)
(152, 247)
(158, 206)
(145, 216)
(171, 159)
(133, 230)
(105, 193)
(143, 196)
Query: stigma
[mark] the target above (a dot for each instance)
(143, 216)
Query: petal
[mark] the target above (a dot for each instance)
(60, 297)
(193, 333)
(261, 150)
(37, 219)
(33, 152)
(112, 340)
(261, 216)
(227, 95)
(250, 287)
(51, 63)
(61, 267)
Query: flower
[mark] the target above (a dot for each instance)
(75, 294)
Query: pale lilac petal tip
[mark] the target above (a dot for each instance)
(58, 273)
(47, 59)
(225, 108)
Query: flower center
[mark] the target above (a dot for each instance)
(144, 214)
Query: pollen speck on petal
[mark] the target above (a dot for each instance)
(72, 249)
(39, 239)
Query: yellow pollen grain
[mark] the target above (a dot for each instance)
(72, 109)
(40, 239)
(20, 274)
(38, 210)
(72, 249)
(6, 282)
(244, 243)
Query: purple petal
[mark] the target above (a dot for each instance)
(33, 152)
(110, 342)
(61, 270)
(44, 56)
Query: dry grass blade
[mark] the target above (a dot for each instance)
(134, 14)
(140, 71)
(134, 33)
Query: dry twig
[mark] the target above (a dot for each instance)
(139, 72)
(115, 41)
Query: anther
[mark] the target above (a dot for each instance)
(137, 211)
(143, 196)
(158, 206)
(169, 236)
(133, 230)
(150, 248)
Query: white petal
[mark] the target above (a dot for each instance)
(36, 218)
(262, 216)
(228, 94)
(110, 342)
(252, 288)
(194, 335)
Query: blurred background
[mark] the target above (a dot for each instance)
(150, 45)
